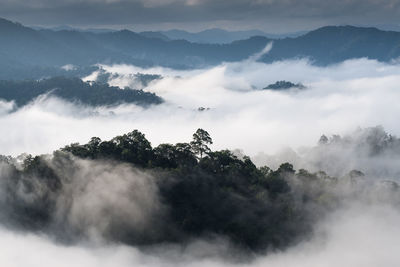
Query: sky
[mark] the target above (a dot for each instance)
(273, 16)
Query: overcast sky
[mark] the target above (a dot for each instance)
(268, 15)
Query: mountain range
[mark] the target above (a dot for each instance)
(35, 53)
(209, 36)
(219, 36)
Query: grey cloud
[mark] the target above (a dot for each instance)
(242, 12)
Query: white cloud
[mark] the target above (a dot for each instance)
(68, 67)
(358, 236)
(358, 93)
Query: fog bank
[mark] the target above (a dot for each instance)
(358, 236)
(338, 99)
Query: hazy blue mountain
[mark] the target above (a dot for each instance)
(152, 34)
(210, 36)
(334, 44)
(219, 36)
(286, 35)
(384, 27)
(28, 53)
(216, 36)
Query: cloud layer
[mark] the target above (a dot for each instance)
(338, 99)
(359, 93)
(353, 237)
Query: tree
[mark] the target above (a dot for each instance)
(323, 140)
(165, 156)
(201, 139)
(134, 147)
(93, 146)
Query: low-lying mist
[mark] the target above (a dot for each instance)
(351, 218)
(101, 208)
(338, 100)
(355, 237)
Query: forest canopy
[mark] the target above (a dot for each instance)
(137, 194)
(74, 90)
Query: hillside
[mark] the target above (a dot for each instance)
(74, 90)
(28, 53)
(334, 44)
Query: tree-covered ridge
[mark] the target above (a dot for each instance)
(140, 80)
(284, 85)
(197, 193)
(74, 89)
(32, 54)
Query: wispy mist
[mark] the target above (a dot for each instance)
(357, 236)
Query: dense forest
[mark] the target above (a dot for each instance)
(126, 191)
(140, 80)
(75, 90)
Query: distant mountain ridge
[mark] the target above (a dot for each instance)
(209, 36)
(334, 44)
(43, 52)
(219, 36)
(28, 53)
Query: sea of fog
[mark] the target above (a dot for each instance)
(338, 100)
(239, 115)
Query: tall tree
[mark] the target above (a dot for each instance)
(201, 140)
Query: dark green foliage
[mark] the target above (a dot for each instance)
(216, 195)
(284, 85)
(201, 140)
(37, 167)
(30, 193)
(132, 147)
(143, 79)
(74, 89)
(173, 156)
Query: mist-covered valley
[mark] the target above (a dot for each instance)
(337, 134)
(227, 101)
(141, 151)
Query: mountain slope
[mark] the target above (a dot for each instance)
(219, 36)
(216, 36)
(74, 90)
(24, 48)
(334, 44)
(28, 53)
